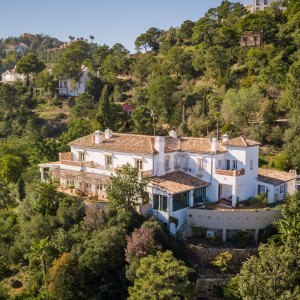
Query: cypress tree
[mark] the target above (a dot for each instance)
(104, 111)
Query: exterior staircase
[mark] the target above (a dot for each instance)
(182, 231)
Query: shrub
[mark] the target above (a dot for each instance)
(222, 260)
(198, 232)
(242, 239)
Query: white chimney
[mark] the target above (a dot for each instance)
(214, 145)
(108, 133)
(159, 166)
(98, 137)
(225, 138)
(173, 134)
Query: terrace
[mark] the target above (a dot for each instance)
(233, 173)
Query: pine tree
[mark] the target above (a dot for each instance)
(104, 111)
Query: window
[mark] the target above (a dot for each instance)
(261, 189)
(283, 188)
(160, 202)
(186, 162)
(176, 161)
(180, 201)
(139, 164)
(199, 195)
(108, 161)
(81, 156)
(234, 164)
(71, 182)
(100, 187)
(251, 164)
(167, 163)
(88, 185)
(200, 165)
(227, 164)
(220, 164)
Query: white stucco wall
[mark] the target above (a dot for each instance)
(231, 219)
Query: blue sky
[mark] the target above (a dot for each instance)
(110, 21)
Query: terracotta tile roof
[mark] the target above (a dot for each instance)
(127, 107)
(202, 145)
(176, 182)
(119, 142)
(274, 177)
(144, 144)
(240, 142)
(147, 173)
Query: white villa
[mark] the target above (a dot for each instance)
(183, 172)
(66, 87)
(19, 48)
(10, 76)
(258, 5)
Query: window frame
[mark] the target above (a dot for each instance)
(138, 163)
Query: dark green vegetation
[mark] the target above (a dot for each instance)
(53, 247)
(275, 272)
(194, 78)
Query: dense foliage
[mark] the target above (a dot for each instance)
(196, 78)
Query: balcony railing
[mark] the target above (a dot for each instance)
(233, 173)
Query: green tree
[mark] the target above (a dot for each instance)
(11, 167)
(291, 150)
(30, 64)
(142, 120)
(162, 277)
(63, 278)
(240, 107)
(161, 100)
(69, 64)
(269, 275)
(149, 39)
(103, 112)
(45, 198)
(128, 189)
(179, 61)
(38, 252)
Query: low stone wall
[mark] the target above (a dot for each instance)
(211, 288)
(207, 255)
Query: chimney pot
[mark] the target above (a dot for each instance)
(98, 135)
(108, 133)
(214, 145)
(173, 133)
(225, 137)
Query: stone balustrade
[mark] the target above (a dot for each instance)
(233, 173)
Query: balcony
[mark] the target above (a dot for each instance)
(232, 173)
(66, 158)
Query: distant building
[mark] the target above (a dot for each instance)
(19, 48)
(66, 87)
(10, 76)
(257, 5)
(261, 4)
(251, 38)
(128, 109)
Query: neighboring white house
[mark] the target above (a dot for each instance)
(19, 48)
(10, 76)
(183, 172)
(67, 87)
(258, 5)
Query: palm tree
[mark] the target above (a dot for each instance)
(38, 252)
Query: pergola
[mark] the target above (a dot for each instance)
(80, 177)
